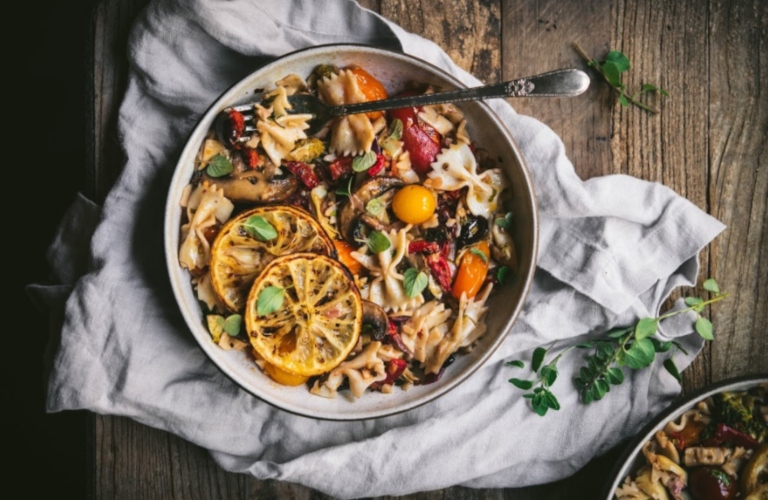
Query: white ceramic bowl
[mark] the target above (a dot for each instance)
(394, 70)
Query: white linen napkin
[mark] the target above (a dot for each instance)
(612, 249)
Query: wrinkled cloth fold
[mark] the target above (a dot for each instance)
(612, 249)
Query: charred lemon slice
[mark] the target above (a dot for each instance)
(304, 314)
(250, 241)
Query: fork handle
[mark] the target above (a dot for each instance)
(559, 83)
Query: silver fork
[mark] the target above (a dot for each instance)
(559, 83)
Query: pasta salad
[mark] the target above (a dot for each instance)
(355, 259)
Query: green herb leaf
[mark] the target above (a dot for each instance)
(270, 300)
(363, 163)
(647, 87)
(623, 100)
(539, 405)
(612, 73)
(233, 324)
(549, 374)
(348, 190)
(605, 350)
(619, 59)
(660, 346)
(219, 166)
(516, 363)
(396, 129)
(503, 274)
(378, 242)
(375, 207)
(614, 375)
(704, 328)
(538, 358)
(479, 253)
(586, 345)
(640, 354)
(521, 384)
(711, 286)
(258, 227)
(721, 476)
(618, 332)
(646, 327)
(505, 222)
(669, 364)
(414, 282)
(551, 400)
(695, 303)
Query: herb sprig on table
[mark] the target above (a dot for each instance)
(631, 347)
(611, 69)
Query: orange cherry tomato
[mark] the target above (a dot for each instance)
(371, 87)
(345, 250)
(472, 271)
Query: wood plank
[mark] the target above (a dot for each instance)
(738, 189)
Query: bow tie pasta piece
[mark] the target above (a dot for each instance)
(456, 167)
(362, 371)
(206, 207)
(351, 135)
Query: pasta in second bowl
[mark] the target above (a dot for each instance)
(209, 296)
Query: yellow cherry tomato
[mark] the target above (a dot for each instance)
(472, 271)
(283, 377)
(345, 250)
(414, 204)
(371, 88)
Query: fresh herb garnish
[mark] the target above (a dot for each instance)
(375, 207)
(348, 190)
(505, 222)
(363, 163)
(233, 324)
(396, 129)
(270, 300)
(258, 227)
(632, 347)
(502, 274)
(378, 242)
(414, 282)
(542, 398)
(479, 253)
(219, 166)
(611, 69)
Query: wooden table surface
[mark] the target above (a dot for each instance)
(708, 143)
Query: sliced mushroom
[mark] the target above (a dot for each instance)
(756, 468)
(252, 186)
(376, 319)
(355, 207)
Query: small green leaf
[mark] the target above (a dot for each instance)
(648, 87)
(602, 387)
(503, 274)
(646, 327)
(615, 333)
(233, 324)
(660, 346)
(348, 190)
(623, 100)
(722, 477)
(219, 166)
(695, 303)
(619, 59)
(711, 286)
(585, 373)
(612, 73)
(521, 384)
(258, 227)
(669, 364)
(505, 222)
(396, 129)
(704, 328)
(586, 345)
(516, 363)
(539, 405)
(640, 354)
(538, 358)
(363, 163)
(530, 395)
(375, 207)
(549, 374)
(605, 350)
(614, 375)
(270, 300)
(378, 242)
(551, 400)
(479, 253)
(414, 282)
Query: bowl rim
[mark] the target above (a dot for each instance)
(633, 448)
(172, 225)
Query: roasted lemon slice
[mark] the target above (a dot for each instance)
(250, 241)
(304, 314)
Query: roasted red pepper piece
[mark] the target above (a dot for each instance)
(340, 167)
(395, 368)
(725, 434)
(440, 270)
(303, 172)
(251, 157)
(420, 140)
(423, 246)
(234, 126)
(395, 338)
(376, 168)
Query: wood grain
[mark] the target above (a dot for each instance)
(708, 143)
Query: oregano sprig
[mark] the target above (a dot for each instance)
(611, 68)
(541, 396)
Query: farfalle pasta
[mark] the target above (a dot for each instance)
(382, 235)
